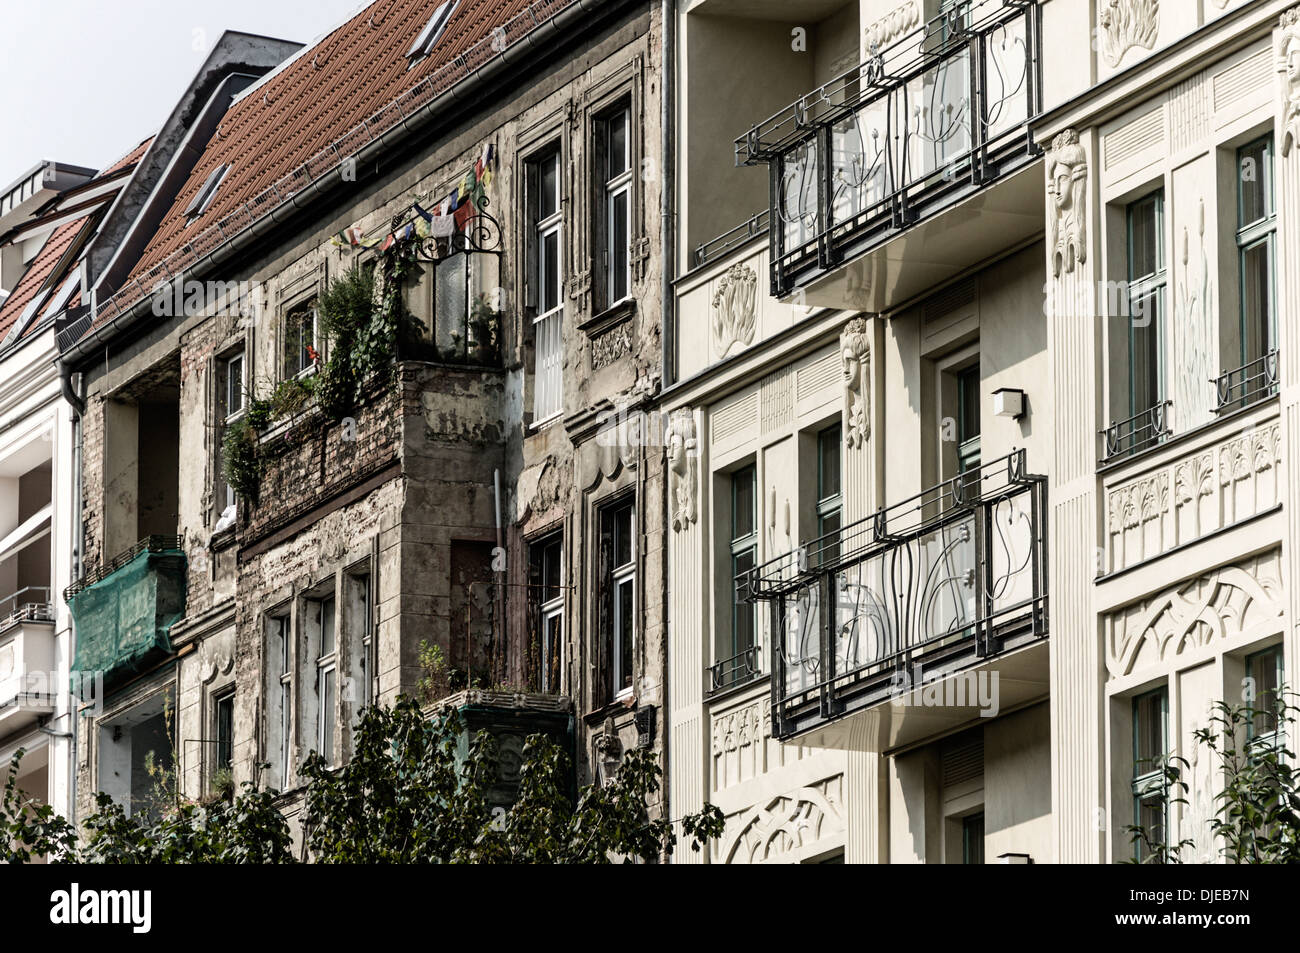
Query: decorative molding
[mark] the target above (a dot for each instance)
(1250, 454)
(782, 825)
(580, 291)
(1126, 24)
(734, 309)
(1195, 366)
(683, 468)
(1233, 604)
(1067, 182)
(1288, 64)
(894, 24)
(1136, 503)
(855, 362)
(610, 346)
(1194, 478)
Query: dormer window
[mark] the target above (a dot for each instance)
(432, 33)
(199, 204)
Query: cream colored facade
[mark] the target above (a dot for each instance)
(959, 308)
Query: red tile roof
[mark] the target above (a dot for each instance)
(41, 269)
(37, 272)
(327, 92)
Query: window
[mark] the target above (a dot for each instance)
(326, 670)
(1150, 787)
(830, 500)
(744, 552)
(231, 388)
(618, 595)
(432, 32)
(1264, 669)
(972, 839)
(968, 419)
(299, 351)
(279, 694)
(224, 739)
(1256, 231)
(546, 609)
(234, 384)
(547, 282)
(362, 637)
(1146, 303)
(614, 207)
(206, 193)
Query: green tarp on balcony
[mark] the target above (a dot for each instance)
(124, 616)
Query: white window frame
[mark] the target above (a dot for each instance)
(326, 668)
(552, 610)
(548, 398)
(363, 582)
(227, 362)
(281, 627)
(618, 186)
(306, 369)
(624, 629)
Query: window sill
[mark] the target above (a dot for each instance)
(622, 704)
(611, 316)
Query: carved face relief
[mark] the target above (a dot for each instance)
(855, 360)
(683, 477)
(1287, 54)
(1067, 169)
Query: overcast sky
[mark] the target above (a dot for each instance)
(83, 81)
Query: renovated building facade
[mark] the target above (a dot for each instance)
(481, 516)
(48, 218)
(980, 358)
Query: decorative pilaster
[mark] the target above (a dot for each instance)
(1286, 43)
(1074, 328)
(688, 608)
(866, 793)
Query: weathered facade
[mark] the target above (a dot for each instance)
(467, 498)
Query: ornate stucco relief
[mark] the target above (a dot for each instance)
(740, 740)
(1067, 182)
(610, 346)
(1143, 521)
(735, 309)
(683, 468)
(1288, 64)
(1234, 605)
(1194, 333)
(1126, 24)
(782, 825)
(894, 24)
(855, 361)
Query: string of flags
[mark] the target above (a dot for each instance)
(442, 219)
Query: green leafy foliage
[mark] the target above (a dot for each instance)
(1256, 817)
(408, 795)
(241, 464)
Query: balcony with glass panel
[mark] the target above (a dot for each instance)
(902, 172)
(916, 613)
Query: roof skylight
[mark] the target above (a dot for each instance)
(432, 32)
(203, 198)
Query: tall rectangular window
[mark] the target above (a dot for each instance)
(618, 595)
(830, 499)
(972, 839)
(744, 552)
(546, 609)
(232, 386)
(279, 696)
(365, 656)
(225, 730)
(326, 672)
(1150, 751)
(613, 206)
(1264, 669)
(546, 285)
(299, 348)
(1146, 303)
(1256, 251)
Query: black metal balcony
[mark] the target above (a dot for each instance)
(738, 670)
(926, 122)
(1247, 384)
(1137, 433)
(927, 587)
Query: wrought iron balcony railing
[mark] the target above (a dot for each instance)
(940, 112)
(1247, 384)
(931, 585)
(715, 248)
(737, 670)
(1139, 432)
